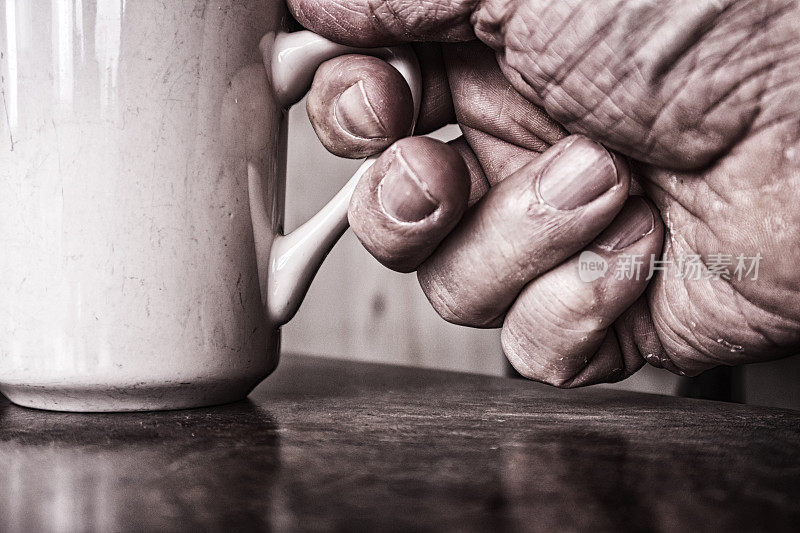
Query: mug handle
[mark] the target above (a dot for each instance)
(292, 60)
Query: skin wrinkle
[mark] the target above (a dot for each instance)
(507, 267)
(555, 374)
(792, 325)
(486, 141)
(619, 84)
(706, 344)
(559, 78)
(753, 327)
(690, 309)
(444, 295)
(668, 328)
(773, 88)
(725, 96)
(513, 263)
(395, 17)
(656, 80)
(751, 31)
(522, 365)
(489, 19)
(398, 17)
(627, 330)
(334, 19)
(559, 30)
(697, 215)
(675, 238)
(717, 191)
(477, 100)
(739, 15)
(763, 236)
(608, 100)
(767, 339)
(700, 339)
(548, 317)
(789, 116)
(443, 301)
(524, 139)
(537, 355)
(437, 105)
(684, 40)
(722, 98)
(558, 321)
(645, 338)
(566, 67)
(582, 376)
(479, 185)
(573, 125)
(484, 147)
(767, 68)
(696, 160)
(711, 91)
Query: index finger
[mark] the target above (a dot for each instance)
(386, 22)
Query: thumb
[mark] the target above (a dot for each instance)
(370, 23)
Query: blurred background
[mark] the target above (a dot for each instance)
(357, 309)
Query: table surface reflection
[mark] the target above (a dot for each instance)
(333, 445)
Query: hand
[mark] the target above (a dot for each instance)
(703, 98)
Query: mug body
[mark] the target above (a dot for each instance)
(128, 270)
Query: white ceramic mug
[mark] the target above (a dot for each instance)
(142, 172)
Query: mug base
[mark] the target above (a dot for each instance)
(139, 397)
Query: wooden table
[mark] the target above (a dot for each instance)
(331, 445)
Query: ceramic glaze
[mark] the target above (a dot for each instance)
(296, 257)
(141, 196)
(129, 275)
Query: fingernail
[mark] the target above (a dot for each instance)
(631, 224)
(355, 114)
(577, 176)
(403, 195)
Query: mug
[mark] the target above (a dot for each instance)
(142, 177)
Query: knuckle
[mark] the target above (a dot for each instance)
(540, 356)
(490, 20)
(669, 104)
(453, 302)
(552, 332)
(424, 18)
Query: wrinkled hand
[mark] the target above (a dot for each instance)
(702, 96)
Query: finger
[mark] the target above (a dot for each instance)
(502, 127)
(409, 200)
(359, 105)
(369, 23)
(479, 185)
(559, 329)
(498, 159)
(436, 109)
(530, 222)
(638, 336)
(484, 100)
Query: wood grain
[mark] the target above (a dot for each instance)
(328, 445)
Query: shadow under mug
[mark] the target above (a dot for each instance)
(142, 179)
